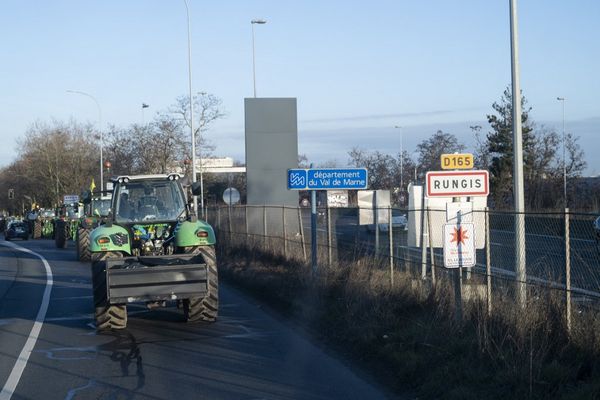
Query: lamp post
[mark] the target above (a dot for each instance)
(100, 129)
(253, 22)
(401, 159)
(562, 100)
(518, 186)
(416, 155)
(144, 106)
(193, 134)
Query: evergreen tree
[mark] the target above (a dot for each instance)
(500, 144)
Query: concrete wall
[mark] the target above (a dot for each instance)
(271, 149)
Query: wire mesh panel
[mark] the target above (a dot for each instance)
(385, 246)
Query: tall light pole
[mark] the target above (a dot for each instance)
(562, 99)
(518, 186)
(253, 22)
(401, 161)
(100, 129)
(193, 134)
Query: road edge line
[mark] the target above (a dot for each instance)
(15, 375)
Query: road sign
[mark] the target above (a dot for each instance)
(459, 245)
(231, 196)
(457, 161)
(70, 199)
(327, 179)
(457, 183)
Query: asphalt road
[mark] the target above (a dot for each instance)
(247, 354)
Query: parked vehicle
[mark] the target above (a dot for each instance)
(17, 230)
(399, 223)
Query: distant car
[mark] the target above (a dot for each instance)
(17, 230)
(399, 223)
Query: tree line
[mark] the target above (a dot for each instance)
(493, 151)
(57, 158)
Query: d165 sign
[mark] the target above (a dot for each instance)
(457, 161)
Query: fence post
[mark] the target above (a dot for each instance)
(219, 219)
(246, 222)
(376, 221)
(431, 246)
(488, 261)
(302, 232)
(229, 224)
(329, 238)
(568, 267)
(391, 237)
(423, 245)
(284, 230)
(265, 227)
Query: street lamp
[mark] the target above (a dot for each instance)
(144, 106)
(562, 99)
(416, 156)
(99, 128)
(193, 134)
(401, 158)
(260, 22)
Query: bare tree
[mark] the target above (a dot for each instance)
(431, 150)
(208, 109)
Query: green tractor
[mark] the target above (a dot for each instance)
(96, 210)
(153, 249)
(44, 225)
(65, 224)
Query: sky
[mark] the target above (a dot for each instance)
(357, 68)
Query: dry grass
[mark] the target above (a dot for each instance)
(408, 336)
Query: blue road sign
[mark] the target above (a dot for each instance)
(327, 178)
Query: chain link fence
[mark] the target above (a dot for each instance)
(560, 251)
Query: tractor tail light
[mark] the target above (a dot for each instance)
(103, 240)
(202, 234)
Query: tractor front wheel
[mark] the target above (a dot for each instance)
(108, 316)
(83, 244)
(204, 308)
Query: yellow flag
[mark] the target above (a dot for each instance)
(93, 185)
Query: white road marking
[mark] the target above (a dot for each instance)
(15, 376)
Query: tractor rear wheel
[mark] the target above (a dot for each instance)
(83, 244)
(61, 234)
(37, 229)
(204, 308)
(108, 316)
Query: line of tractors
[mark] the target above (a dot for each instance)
(66, 222)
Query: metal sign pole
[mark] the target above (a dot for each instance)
(458, 271)
(313, 231)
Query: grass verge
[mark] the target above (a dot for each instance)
(407, 335)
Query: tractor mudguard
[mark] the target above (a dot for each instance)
(198, 233)
(110, 238)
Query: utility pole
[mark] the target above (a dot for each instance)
(518, 190)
